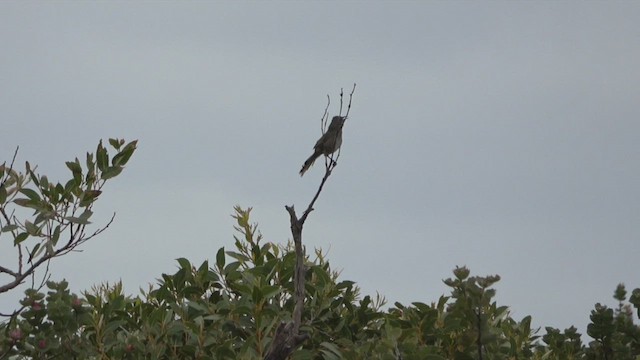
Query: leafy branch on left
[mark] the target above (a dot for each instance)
(61, 211)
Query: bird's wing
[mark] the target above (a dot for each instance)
(320, 141)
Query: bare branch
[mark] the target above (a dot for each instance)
(8, 271)
(82, 240)
(287, 336)
(309, 209)
(296, 231)
(19, 259)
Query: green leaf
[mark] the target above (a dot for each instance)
(90, 178)
(56, 235)
(70, 187)
(331, 352)
(3, 194)
(88, 197)
(344, 284)
(461, 273)
(220, 258)
(203, 270)
(256, 294)
(77, 220)
(25, 203)
(20, 238)
(111, 172)
(12, 178)
(123, 156)
(31, 194)
(22, 202)
(74, 167)
(115, 143)
(231, 270)
(303, 354)
(34, 178)
(9, 227)
(76, 170)
(184, 263)
(89, 162)
(113, 326)
(44, 213)
(198, 307)
(102, 157)
(238, 256)
(33, 252)
(269, 291)
(422, 307)
(44, 182)
(86, 214)
(31, 228)
(620, 293)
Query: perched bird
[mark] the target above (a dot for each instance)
(327, 144)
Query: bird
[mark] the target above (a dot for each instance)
(328, 143)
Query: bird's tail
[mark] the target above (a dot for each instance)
(307, 164)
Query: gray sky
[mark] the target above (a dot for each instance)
(498, 135)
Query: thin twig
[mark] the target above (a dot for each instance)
(350, 98)
(332, 160)
(325, 116)
(8, 271)
(21, 275)
(315, 197)
(19, 258)
(13, 160)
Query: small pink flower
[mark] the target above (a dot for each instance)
(76, 303)
(15, 335)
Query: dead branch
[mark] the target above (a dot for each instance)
(287, 336)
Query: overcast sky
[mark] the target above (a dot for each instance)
(498, 135)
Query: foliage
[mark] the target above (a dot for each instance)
(60, 212)
(230, 310)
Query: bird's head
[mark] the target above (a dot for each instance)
(337, 122)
